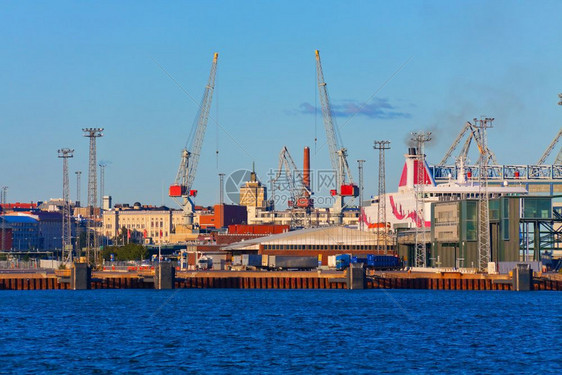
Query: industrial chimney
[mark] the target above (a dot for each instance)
(306, 169)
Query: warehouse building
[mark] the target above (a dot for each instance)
(320, 242)
(521, 228)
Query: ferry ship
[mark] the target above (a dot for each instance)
(401, 209)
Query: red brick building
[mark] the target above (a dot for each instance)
(223, 216)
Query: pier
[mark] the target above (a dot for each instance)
(279, 280)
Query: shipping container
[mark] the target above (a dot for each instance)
(251, 260)
(292, 262)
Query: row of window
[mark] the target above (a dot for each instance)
(319, 247)
(133, 226)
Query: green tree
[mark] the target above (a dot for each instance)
(128, 252)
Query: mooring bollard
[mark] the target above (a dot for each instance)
(80, 276)
(522, 278)
(164, 276)
(356, 276)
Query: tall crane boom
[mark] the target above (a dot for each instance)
(550, 148)
(190, 155)
(338, 154)
(327, 114)
(455, 143)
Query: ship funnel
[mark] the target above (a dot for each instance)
(409, 178)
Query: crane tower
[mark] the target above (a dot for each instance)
(92, 239)
(65, 154)
(181, 190)
(338, 154)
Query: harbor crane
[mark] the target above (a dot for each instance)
(549, 150)
(181, 191)
(299, 192)
(474, 133)
(338, 154)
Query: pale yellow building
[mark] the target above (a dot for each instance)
(253, 193)
(149, 225)
(300, 217)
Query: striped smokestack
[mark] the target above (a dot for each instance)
(306, 168)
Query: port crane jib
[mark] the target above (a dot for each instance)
(472, 133)
(181, 191)
(299, 193)
(338, 154)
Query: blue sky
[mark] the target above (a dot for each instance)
(427, 65)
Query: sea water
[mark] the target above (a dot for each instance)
(207, 331)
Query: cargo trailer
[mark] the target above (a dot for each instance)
(284, 262)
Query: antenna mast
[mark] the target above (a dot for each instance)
(420, 138)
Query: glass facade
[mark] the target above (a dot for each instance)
(470, 220)
(537, 208)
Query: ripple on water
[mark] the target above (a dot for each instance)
(261, 331)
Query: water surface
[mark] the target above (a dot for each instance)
(209, 331)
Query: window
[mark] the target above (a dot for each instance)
(505, 219)
(470, 220)
(537, 208)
